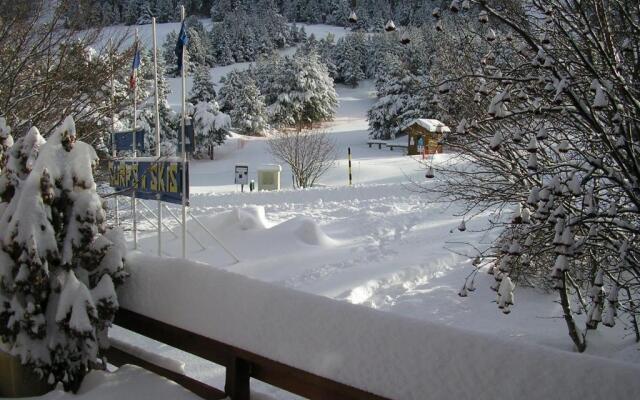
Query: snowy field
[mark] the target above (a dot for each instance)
(378, 243)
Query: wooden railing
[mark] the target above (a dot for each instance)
(241, 365)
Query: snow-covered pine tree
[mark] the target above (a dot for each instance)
(402, 97)
(338, 12)
(222, 45)
(164, 10)
(6, 141)
(144, 13)
(326, 51)
(302, 92)
(202, 89)
(196, 50)
(241, 98)
(350, 56)
(19, 160)
(169, 54)
(168, 118)
(211, 127)
(59, 264)
(130, 12)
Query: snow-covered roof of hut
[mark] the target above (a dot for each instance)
(431, 125)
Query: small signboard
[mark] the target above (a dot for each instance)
(150, 179)
(242, 175)
(123, 141)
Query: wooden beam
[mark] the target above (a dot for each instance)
(238, 361)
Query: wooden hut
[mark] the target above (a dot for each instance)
(425, 135)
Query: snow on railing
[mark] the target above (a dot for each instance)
(390, 355)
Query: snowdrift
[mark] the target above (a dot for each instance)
(383, 353)
(128, 382)
(250, 233)
(240, 219)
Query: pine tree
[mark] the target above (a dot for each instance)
(144, 13)
(169, 55)
(241, 98)
(18, 162)
(196, 50)
(304, 92)
(6, 141)
(164, 10)
(402, 97)
(59, 264)
(203, 89)
(168, 119)
(326, 51)
(211, 127)
(350, 59)
(130, 12)
(222, 43)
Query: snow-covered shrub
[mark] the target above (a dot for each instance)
(59, 264)
(550, 131)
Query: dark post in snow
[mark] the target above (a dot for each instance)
(350, 175)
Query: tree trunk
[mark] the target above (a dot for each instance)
(575, 334)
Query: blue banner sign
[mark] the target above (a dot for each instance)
(123, 141)
(150, 180)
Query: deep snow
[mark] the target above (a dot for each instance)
(378, 243)
(386, 354)
(128, 382)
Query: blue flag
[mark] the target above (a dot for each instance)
(183, 40)
(134, 66)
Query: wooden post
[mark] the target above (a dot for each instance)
(236, 384)
(350, 175)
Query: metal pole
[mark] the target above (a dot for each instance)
(350, 175)
(146, 207)
(157, 101)
(114, 153)
(184, 149)
(135, 153)
(204, 228)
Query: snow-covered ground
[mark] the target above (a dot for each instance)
(128, 382)
(378, 243)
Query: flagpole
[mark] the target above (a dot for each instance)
(135, 153)
(113, 119)
(155, 77)
(184, 147)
